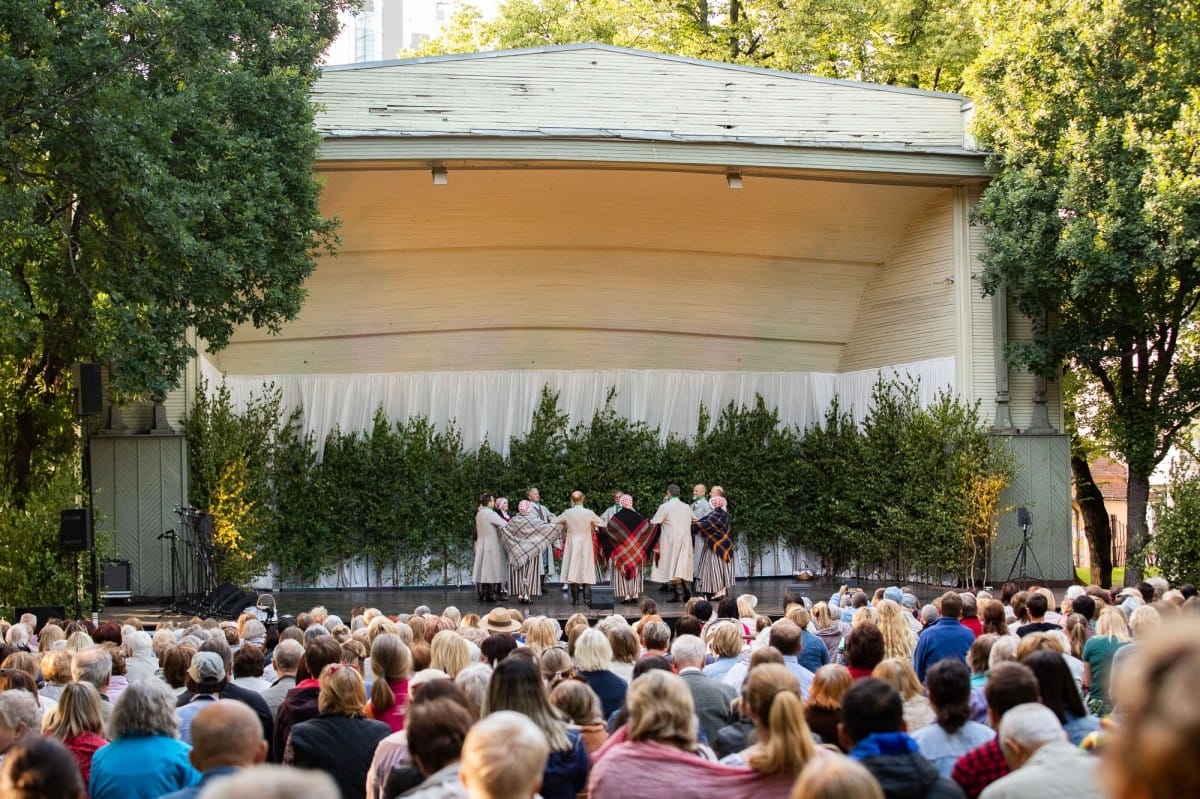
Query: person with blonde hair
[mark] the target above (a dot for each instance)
(555, 665)
(504, 757)
(593, 661)
(77, 723)
(830, 628)
(391, 665)
(725, 640)
(899, 641)
(449, 652)
(836, 778)
(541, 633)
(340, 741)
(898, 673)
(1098, 654)
(783, 745)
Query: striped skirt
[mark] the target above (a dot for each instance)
(526, 580)
(713, 574)
(622, 587)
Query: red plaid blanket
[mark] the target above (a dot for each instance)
(628, 541)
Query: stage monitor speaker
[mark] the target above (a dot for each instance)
(75, 530)
(43, 612)
(236, 602)
(89, 389)
(116, 578)
(600, 597)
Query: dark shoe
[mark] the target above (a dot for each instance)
(664, 588)
(687, 589)
(675, 597)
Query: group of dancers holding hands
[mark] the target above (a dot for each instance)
(521, 550)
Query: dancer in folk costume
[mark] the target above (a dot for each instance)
(579, 550)
(674, 563)
(525, 537)
(714, 575)
(490, 570)
(700, 504)
(627, 542)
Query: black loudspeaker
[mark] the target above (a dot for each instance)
(600, 597)
(89, 391)
(116, 580)
(1024, 520)
(75, 530)
(43, 612)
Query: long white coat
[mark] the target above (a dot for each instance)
(491, 566)
(676, 556)
(579, 558)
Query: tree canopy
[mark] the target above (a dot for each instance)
(1093, 219)
(155, 178)
(902, 42)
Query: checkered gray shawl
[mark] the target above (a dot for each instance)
(525, 536)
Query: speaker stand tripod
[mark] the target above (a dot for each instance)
(1021, 560)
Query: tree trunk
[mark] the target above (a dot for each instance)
(1096, 524)
(1137, 497)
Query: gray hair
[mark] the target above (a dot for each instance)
(1003, 648)
(268, 781)
(92, 665)
(139, 644)
(657, 633)
(593, 652)
(1031, 726)
(313, 632)
(17, 635)
(18, 707)
(929, 614)
(688, 650)
(473, 680)
(145, 707)
(287, 656)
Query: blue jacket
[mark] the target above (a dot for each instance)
(945, 638)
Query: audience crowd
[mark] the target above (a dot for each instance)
(1011, 694)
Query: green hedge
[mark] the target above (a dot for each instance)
(912, 491)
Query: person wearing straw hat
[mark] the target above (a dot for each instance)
(499, 620)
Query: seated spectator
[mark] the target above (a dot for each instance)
(226, 737)
(301, 702)
(593, 660)
(504, 757)
(248, 664)
(1155, 752)
(341, 740)
(1010, 684)
(823, 710)
(145, 759)
(918, 713)
(77, 723)
(836, 778)
(437, 730)
(391, 663)
(274, 782)
(517, 685)
(954, 734)
(40, 768)
(1058, 692)
(1043, 763)
(829, 628)
(18, 718)
(944, 638)
(864, 650)
(581, 707)
(783, 744)
(873, 733)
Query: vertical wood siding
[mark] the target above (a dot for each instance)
(907, 312)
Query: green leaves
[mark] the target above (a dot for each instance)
(915, 491)
(1093, 221)
(155, 178)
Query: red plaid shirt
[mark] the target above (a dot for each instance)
(980, 767)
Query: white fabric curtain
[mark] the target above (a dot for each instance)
(500, 404)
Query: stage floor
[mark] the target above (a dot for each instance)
(554, 602)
